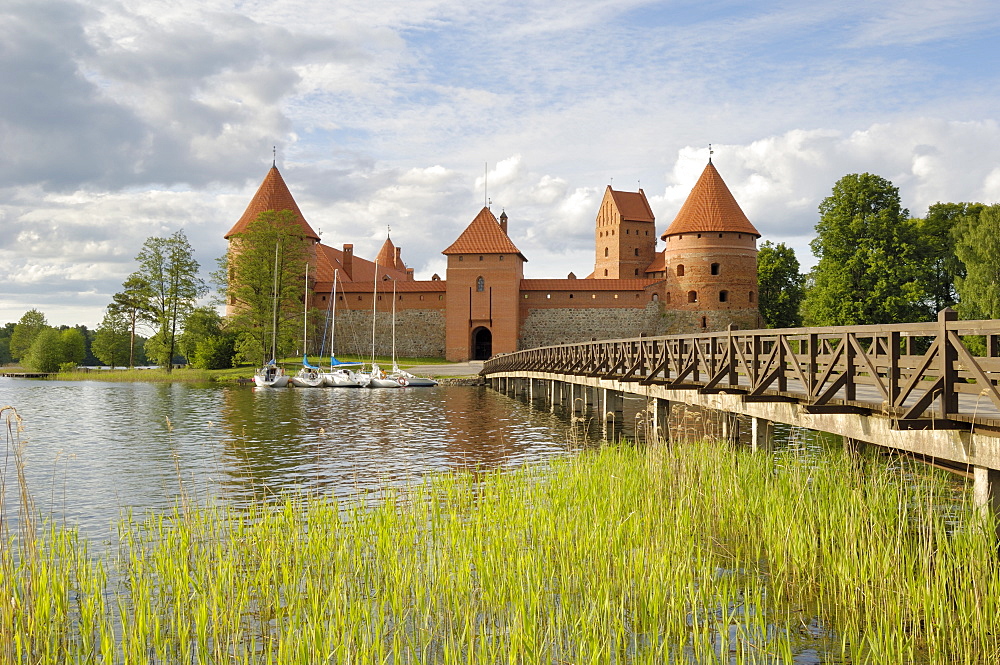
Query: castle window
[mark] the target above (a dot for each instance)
(605, 272)
(720, 235)
(401, 298)
(359, 298)
(637, 296)
(380, 297)
(324, 298)
(440, 297)
(656, 296)
(421, 297)
(751, 297)
(668, 297)
(616, 296)
(699, 235)
(692, 296)
(341, 298)
(501, 257)
(636, 272)
(605, 252)
(680, 269)
(723, 296)
(571, 296)
(461, 258)
(704, 322)
(480, 258)
(637, 251)
(612, 231)
(480, 284)
(525, 296)
(593, 296)
(715, 268)
(548, 296)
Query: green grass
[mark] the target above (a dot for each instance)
(696, 553)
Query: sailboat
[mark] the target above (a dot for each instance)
(377, 378)
(401, 376)
(339, 375)
(309, 376)
(270, 375)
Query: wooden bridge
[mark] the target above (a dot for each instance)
(927, 389)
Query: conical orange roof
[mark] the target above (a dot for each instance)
(387, 255)
(484, 235)
(710, 207)
(272, 194)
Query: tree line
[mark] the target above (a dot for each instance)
(155, 317)
(877, 265)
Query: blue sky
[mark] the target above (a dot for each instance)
(122, 119)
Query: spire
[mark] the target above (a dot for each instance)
(710, 152)
(484, 235)
(272, 194)
(387, 255)
(710, 207)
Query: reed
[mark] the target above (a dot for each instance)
(695, 553)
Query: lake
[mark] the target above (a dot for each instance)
(94, 449)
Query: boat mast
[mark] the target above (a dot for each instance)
(274, 306)
(305, 314)
(333, 315)
(394, 324)
(374, 301)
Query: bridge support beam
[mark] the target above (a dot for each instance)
(730, 427)
(657, 419)
(986, 492)
(612, 409)
(760, 434)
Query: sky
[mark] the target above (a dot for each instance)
(126, 119)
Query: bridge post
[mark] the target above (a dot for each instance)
(612, 408)
(986, 492)
(730, 427)
(760, 434)
(658, 417)
(854, 447)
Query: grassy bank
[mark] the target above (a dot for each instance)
(697, 553)
(231, 375)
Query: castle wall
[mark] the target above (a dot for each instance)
(419, 333)
(547, 326)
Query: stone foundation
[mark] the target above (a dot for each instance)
(419, 333)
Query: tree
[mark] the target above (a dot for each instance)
(780, 285)
(30, 325)
(112, 340)
(247, 275)
(133, 302)
(870, 267)
(74, 345)
(168, 267)
(978, 248)
(200, 324)
(5, 332)
(46, 352)
(939, 232)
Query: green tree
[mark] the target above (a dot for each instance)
(133, 302)
(5, 332)
(112, 340)
(215, 352)
(252, 286)
(780, 285)
(46, 352)
(31, 324)
(978, 248)
(939, 232)
(200, 324)
(74, 345)
(167, 265)
(870, 267)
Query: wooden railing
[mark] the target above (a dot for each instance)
(922, 375)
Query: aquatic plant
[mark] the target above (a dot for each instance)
(699, 553)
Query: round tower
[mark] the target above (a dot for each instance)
(711, 260)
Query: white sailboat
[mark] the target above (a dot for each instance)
(309, 376)
(270, 375)
(401, 376)
(340, 375)
(377, 378)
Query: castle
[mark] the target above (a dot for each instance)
(704, 279)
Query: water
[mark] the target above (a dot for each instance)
(95, 449)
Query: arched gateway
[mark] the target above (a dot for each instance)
(482, 344)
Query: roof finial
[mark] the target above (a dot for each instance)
(710, 151)
(274, 156)
(388, 230)
(612, 185)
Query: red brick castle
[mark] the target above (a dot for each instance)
(705, 278)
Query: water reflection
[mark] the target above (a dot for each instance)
(95, 449)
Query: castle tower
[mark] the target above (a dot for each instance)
(273, 195)
(711, 260)
(625, 235)
(483, 287)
